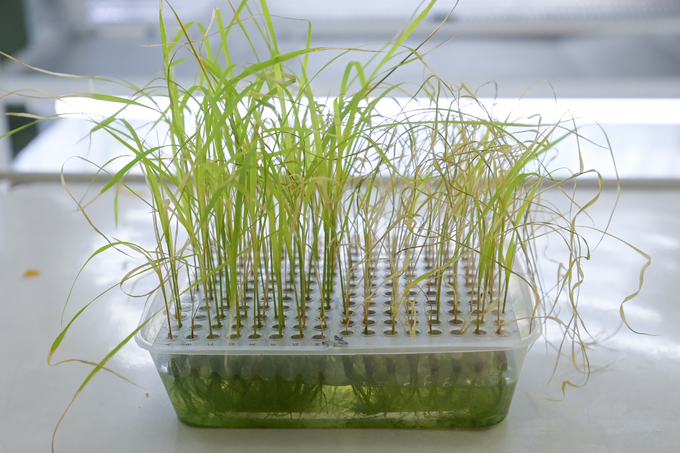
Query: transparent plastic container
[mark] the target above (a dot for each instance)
(348, 366)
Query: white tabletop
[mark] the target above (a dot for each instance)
(630, 404)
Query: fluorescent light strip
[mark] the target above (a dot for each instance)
(603, 111)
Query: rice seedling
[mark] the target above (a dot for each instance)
(322, 265)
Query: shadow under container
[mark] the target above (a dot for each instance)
(462, 377)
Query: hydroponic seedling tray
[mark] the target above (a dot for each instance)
(453, 370)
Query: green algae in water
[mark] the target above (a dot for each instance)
(476, 393)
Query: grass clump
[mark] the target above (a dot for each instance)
(269, 203)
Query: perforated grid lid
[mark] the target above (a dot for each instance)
(367, 325)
